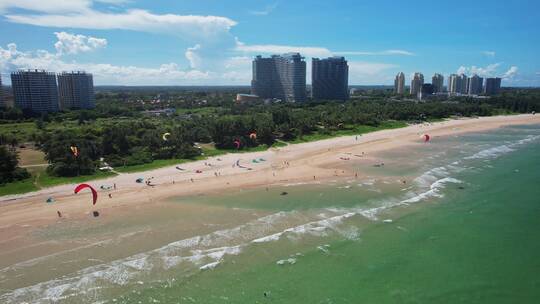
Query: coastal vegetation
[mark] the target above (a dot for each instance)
(126, 131)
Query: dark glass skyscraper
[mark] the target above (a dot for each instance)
(493, 86)
(330, 78)
(35, 90)
(475, 85)
(280, 76)
(76, 90)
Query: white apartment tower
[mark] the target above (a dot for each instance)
(399, 83)
(416, 83)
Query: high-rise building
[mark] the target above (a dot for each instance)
(438, 83)
(399, 83)
(493, 86)
(426, 91)
(330, 78)
(76, 91)
(416, 83)
(475, 85)
(35, 90)
(2, 102)
(462, 84)
(452, 84)
(280, 76)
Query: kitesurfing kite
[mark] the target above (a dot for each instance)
(165, 136)
(94, 192)
(253, 135)
(75, 151)
(237, 143)
(426, 137)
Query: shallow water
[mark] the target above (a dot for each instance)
(462, 228)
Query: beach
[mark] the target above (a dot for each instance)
(141, 218)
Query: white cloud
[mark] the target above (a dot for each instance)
(266, 11)
(281, 49)
(80, 15)
(193, 57)
(12, 59)
(379, 53)
(73, 44)
(48, 6)
(488, 71)
(55, 6)
(370, 73)
(489, 53)
(511, 73)
(308, 51)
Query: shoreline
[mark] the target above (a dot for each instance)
(296, 163)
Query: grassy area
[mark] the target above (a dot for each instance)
(40, 179)
(18, 187)
(44, 180)
(349, 131)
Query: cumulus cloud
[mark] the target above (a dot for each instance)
(193, 57)
(12, 59)
(371, 73)
(488, 71)
(73, 44)
(491, 71)
(511, 73)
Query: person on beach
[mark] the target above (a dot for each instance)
(59, 213)
(110, 195)
(114, 186)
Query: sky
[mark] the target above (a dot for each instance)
(212, 42)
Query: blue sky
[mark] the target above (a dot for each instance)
(205, 42)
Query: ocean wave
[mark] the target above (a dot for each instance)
(508, 147)
(434, 190)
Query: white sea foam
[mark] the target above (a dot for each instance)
(209, 265)
(495, 152)
(491, 152)
(290, 261)
(434, 190)
(269, 238)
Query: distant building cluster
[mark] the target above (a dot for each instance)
(283, 77)
(457, 85)
(2, 101)
(38, 90)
